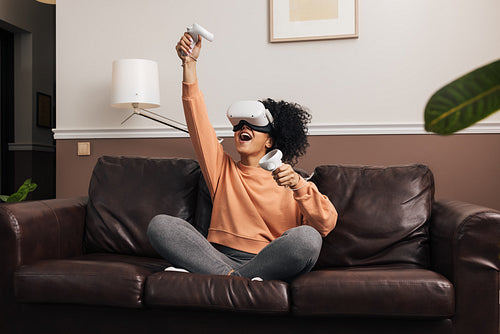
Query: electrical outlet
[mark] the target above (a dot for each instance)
(83, 148)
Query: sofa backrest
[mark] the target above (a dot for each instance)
(125, 193)
(383, 211)
(383, 214)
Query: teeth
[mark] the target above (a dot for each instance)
(245, 136)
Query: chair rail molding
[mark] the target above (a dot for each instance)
(314, 130)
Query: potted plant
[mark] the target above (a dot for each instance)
(21, 193)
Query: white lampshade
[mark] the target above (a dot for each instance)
(135, 81)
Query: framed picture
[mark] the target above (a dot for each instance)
(303, 20)
(44, 110)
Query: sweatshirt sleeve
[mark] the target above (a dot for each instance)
(317, 210)
(209, 151)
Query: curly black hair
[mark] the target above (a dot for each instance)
(289, 129)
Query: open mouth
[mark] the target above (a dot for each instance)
(245, 136)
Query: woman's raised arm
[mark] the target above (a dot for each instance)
(189, 55)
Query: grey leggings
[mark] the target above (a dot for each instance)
(294, 253)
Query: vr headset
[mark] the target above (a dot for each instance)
(251, 113)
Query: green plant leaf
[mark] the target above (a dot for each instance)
(32, 187)
(4, 198)
(464, 101)
(17, 197)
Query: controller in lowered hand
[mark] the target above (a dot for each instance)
(271, 160)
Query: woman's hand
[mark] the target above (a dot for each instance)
(184, 50)
(286, 176)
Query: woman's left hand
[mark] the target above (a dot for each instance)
(286, 176)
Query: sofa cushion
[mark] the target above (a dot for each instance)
(375, 292)
(383, 214)
(212, 292)
(125, 193)
(95, 280)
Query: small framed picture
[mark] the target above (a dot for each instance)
(302, 20)
(44, 110)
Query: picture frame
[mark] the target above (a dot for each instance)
(44, 110)
(306, 20)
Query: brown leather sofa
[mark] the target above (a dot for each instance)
(397, 262)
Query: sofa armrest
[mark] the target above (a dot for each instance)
(30, 231)
(42, 229)
(465, 244)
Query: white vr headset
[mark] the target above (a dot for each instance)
(251, 113)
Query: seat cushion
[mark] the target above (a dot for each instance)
(125, 193)
(375, 292)
(97, 279)
(212, 292)
(383, 214)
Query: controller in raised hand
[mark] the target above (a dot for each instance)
(196, 30)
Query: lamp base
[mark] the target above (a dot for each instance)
(156, 117)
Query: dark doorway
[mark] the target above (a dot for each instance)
(7, 110)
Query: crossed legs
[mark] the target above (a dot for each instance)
(293, 253)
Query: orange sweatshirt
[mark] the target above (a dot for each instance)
(249, 209)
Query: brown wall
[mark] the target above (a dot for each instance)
(465, 167)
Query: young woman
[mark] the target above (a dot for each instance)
(264, 225)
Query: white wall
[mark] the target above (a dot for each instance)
(405, 51)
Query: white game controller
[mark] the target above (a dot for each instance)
(271, 160)
(196, 30)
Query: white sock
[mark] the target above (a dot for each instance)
(179, 270)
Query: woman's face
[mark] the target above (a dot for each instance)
(251, 143)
